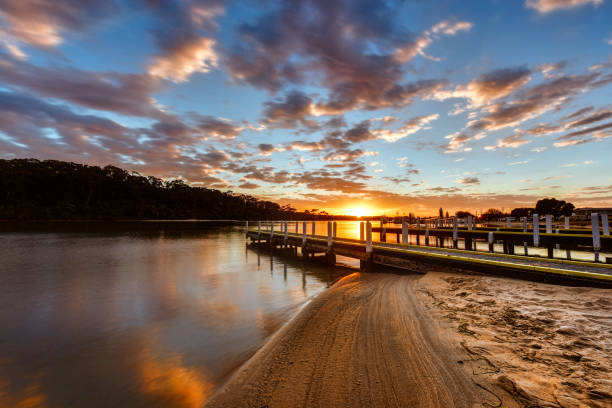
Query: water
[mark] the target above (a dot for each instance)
(139, 314)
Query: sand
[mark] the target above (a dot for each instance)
(548, 345)
(435, 340)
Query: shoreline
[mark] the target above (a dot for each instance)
(418, 341)
(362, 342)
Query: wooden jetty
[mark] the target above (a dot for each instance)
(431, 249)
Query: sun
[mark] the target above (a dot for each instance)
(360, 211)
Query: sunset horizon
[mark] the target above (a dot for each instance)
(367, 108)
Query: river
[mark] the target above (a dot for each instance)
(136, 314)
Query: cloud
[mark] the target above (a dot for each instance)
(288, 111)
(359, 133)
(218, 128)
(592, 134)
(418, 46)
(409, 127)
(122, 93)
(248, 186)
(535, 101)
(489, 86)
(469, 180)
(43, 24)
(550, 70)
(547, 6)
(456, 143)
(185, 59)
(332, 42)
(183, 31)
(513, 141)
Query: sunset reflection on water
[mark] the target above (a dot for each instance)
(153, 317)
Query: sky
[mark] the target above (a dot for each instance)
(354, 107)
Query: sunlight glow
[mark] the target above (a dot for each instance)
(360, 211)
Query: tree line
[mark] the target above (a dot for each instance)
(552, 206)
(31, 189)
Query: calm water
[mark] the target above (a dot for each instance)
(137, 315)
(140, 314)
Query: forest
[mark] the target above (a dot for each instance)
(32, 189)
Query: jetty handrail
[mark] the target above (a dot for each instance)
(595, 241)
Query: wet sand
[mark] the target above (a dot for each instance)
(366, 342)
(436, 340)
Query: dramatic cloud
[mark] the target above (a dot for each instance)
(547, 6)
(535, 101)
(182, 33)
(43, 23)
(332, 41)
(489, 86)
(122, 93)
(186, 58)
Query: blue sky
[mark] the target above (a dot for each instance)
(349, 106)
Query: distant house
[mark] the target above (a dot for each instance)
(586, 212)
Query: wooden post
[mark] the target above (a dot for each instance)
(548, 224)
(536, 230)
(404, 233)
(258, 231)
(508, 222)
(596, 240)
(567, 224)
(313, 228)
(368, 237)
(297, 227)
(604, 224)
(329, 234)
(455, 232)
(418, 238)
(525, 230)
(303, 233)
(335, 229)
(286, 233)
(556, 232)
(383, 234)
(271, 231)
(491, 241)
(247, 228)
(361, 231)
(470, 222)
(426, 236)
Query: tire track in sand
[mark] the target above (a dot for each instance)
(365, 342)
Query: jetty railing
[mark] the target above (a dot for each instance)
(452, 231)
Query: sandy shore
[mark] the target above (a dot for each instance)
(547, 345)
(438, 340)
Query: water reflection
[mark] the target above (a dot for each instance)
(136, 317)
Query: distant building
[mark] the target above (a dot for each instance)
(587, 211)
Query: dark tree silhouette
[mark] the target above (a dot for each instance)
(492, 214)
(521, 212)
(554, 207)
(33, 189)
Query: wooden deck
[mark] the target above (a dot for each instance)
(420, 258)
